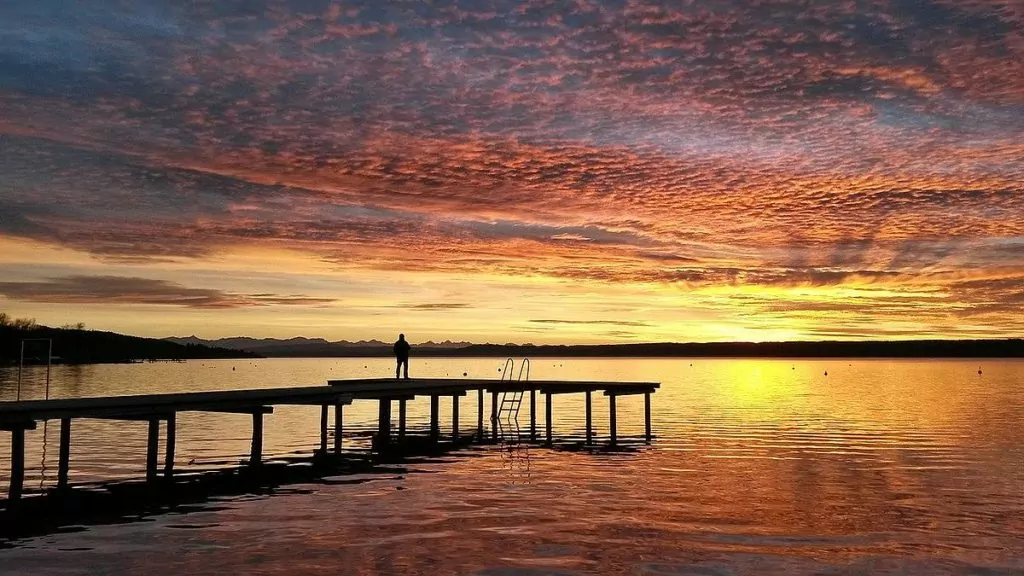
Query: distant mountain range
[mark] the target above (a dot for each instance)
(318, 347)
(314, 347)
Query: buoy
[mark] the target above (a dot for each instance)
(464, 374)
(826, 372)
(232, 368)
(979, 370)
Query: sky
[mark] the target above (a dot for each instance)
(515, 171)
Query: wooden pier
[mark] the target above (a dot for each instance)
(17, 417)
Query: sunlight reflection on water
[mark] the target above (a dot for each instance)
(759, 467)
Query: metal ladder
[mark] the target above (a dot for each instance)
(512, 398)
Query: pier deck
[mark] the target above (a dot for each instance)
(17, 417)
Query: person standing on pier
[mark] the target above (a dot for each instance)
(402, 356)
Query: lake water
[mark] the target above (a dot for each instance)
(759, 467)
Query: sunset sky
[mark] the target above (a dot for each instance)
(515, 171)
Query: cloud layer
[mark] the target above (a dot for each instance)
(780, 163)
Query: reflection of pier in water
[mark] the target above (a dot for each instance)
(160, 411)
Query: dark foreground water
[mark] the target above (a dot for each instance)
(760, 467)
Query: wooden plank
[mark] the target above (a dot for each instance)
(148, 404)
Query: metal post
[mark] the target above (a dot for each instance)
(590, 420)
(64, 459)
(337, 428)
(172, 431)
(455, 418)
(151, 448)
(611, 417)
(435, 427)
(647, 415)
(323, 428)
(256, 453)
(401, 418)
(17, 466)
(547, 417)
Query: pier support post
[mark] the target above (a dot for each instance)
(480, 415)
(337, 427)
(494, 416)
(435, 428)
(533, 415)
(590, 420)
(151, 448)
(611, 418)
(647, 415)
(455, 418)
(64, 458)
(547, 417)
(172, 431)
(256, 452)
(384, 423)
(17, 466)
(401, 418)
(323, 429)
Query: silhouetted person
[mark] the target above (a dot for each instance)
(402, 355)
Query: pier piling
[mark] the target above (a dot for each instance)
(494, 416)
(401, 418)
(337, 428)
(384, 423)
(590, 420)
(323, 428)
(17, 465)
(647, 415)
(480, 415)
(455, 417)
(256, 452)
(533, 415)
(435, 428)
(151, 448)
(64, 457)
(611, 418)
(172, 431)
(547, 417)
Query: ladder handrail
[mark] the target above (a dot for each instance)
(524, 364)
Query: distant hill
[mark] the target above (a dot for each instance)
(80, 346)
(316, 347)
(1007, 348)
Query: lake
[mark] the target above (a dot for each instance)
(759, 467)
